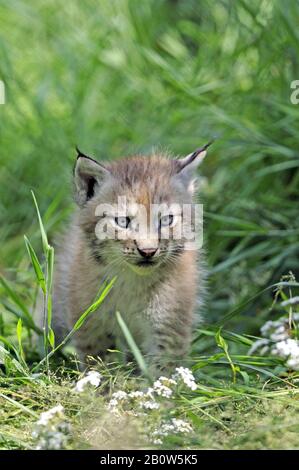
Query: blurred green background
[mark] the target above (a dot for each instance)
(119, 76)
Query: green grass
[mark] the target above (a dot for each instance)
(116, 77)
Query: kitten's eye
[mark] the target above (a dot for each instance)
(166, 220)
(123, 222)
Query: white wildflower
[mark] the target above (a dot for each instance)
(181, 426)
(270, 327)
(162, 389)
(278, 341)
(279, 334)
(150, 393)
(120, 395)
(186, 376)
(92, 378)
(47, 416)
(52, 431)
(288, 349)
(291, 301)
(293, 362)
(136, 394)
(175, 426)
(278, 330)
(113, 407)
(262, 345)
(116, 398)
(150, 405)
(113, 403)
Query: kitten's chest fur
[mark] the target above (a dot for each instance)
(79, 280)
(154, 307)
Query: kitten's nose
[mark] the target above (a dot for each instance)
(147, 252)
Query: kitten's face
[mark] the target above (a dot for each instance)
(132, 210)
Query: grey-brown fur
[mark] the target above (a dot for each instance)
(157, 302)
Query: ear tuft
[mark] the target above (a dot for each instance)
(185, 167)
(88, 174)
(194, 159)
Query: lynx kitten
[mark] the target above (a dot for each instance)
(117, 230)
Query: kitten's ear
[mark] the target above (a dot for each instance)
(187, 166)
(88, 173)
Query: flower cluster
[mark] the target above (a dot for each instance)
(186, 376)
(163, 387)
(175, 426)
(132, 401)
(277, 340)
(92, 378)
(52, 431)
(141, 403)
(289, 350)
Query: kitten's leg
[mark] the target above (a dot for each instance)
(170, 342)
(88, 346)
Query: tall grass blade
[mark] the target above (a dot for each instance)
(223, 345)
(36, 265)
(16, 299)
(42, 228)
(133, 346)
(94, 306)
(19, 337)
